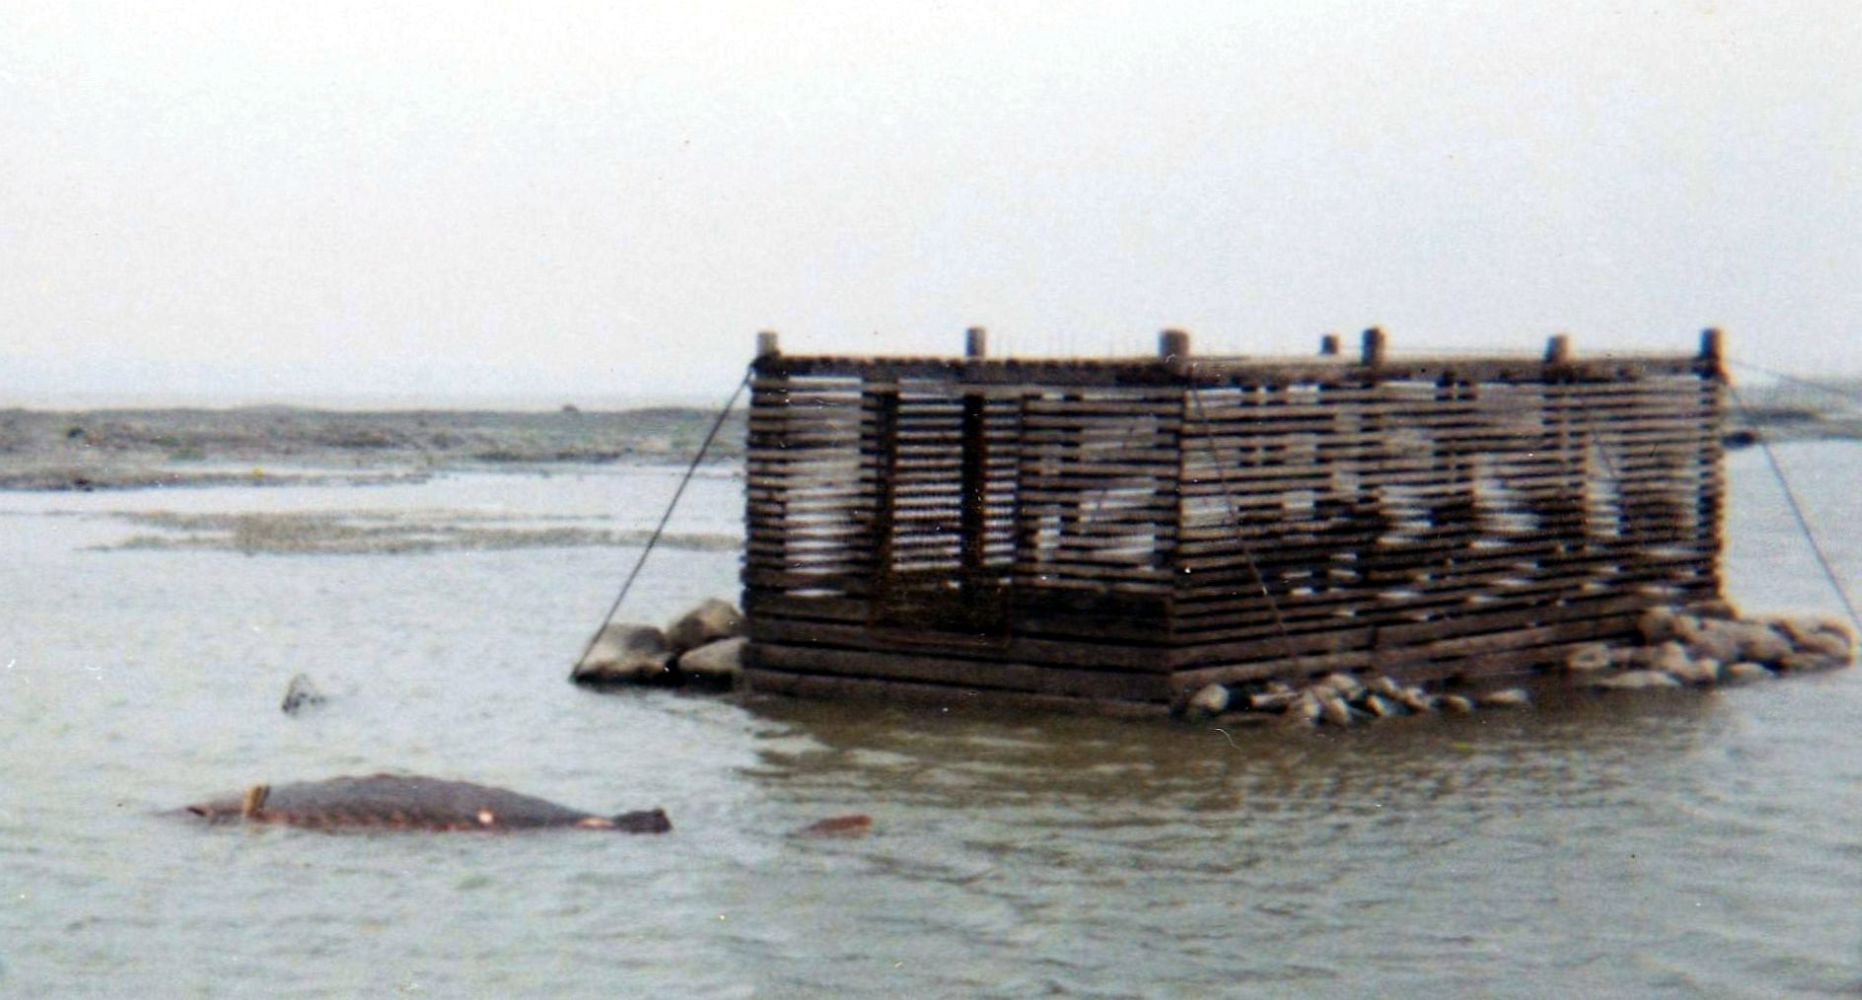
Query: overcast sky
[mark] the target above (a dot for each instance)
(314, 201)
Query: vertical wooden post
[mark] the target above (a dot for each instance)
(1558, 349)
(975, 473)
(1560, 505)
(883, 401)
(974, 502)
(1710, 505)
(1328, 346)
(1371, 520)
(1173, 349)
(1711, 361)
(1173, 345)
(767, 524)
(1373, 347)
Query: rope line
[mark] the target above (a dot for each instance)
(666, 517)
(1234, 516)
(1847, 395)
(1803, 522)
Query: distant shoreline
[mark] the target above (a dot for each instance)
(142, 448)
(134, 448)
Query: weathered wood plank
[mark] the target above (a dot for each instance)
(771, 681)
(1042, 678)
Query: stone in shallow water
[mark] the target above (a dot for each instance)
(1272, 701)
(713, 621)
(1345, 685)
(717, 664)
(624, 654)
(1744, 672)
(1305, 709)
(1209, 702)
(1380, 706)
(1588, 658)
(1332, 708)
(1635, 680)
(1760, 643)
(1506, 698)
(1656, 625)
(1416, 699)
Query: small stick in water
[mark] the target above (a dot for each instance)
(838, 826)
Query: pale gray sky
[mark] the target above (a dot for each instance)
(302, 201)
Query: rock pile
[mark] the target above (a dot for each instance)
(702, 648)
(1338, 699)
(1677, 648)
(1672, 648)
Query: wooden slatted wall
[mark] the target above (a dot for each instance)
(1439, 527)
(924, 534)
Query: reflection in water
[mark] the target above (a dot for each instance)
(1568, 750)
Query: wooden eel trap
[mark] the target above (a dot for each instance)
(1111, 535)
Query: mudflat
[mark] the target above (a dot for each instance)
(127, 449)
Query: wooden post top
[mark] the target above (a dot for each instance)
(1558, 349)
(1173, 344)
(1373, 347)
(1175, 362)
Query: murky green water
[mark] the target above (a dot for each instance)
(1677, 844)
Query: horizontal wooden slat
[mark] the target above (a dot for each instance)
(771, 681)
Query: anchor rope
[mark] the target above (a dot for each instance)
(1846, 395)
(665, 518)
(1234, 516)
(1803, 521)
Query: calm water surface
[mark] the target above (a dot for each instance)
(1667, 845)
